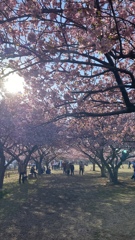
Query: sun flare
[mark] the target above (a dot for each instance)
(14, 84)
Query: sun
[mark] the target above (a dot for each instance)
(14, 84)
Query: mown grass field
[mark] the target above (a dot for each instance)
(62, 207)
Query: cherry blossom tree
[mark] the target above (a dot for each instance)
(79, 55)
(103, 140)
(7, 141)
(44, 156)
(22, 132)
(77, 59)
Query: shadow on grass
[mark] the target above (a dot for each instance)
(62, 207)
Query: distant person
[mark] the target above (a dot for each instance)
(33, 171)
(72, 169)
(22, 172)
(48, 171)
(133, 165)
(64, 167)
(68, 169)
(129, 165)
(42, 169)
(81, 168)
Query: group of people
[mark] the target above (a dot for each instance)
(68, 168)
(22, 170)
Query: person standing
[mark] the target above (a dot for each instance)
(72, 169)
(129, 163)
(81, 168)
(133, 165)
(21, 171)
(64, 167)
(33, 171)
(68, 169)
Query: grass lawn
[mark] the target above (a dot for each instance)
(68, 207)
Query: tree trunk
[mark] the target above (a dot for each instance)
(113, 176)
(39, 168)
(103, 171)
(2, 172)
(94, 166)
(2, 166)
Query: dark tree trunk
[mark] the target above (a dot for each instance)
(2, 172)
(103, 171)
(94, 166)
(2, 166)
(39, 168)
(112, 171)
(113, 176)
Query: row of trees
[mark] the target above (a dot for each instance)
(24, 136)
(22, 139)
(77, 59)
(107, 142)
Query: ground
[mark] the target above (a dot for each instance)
(58, 207)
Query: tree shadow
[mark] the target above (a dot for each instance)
(65, 207)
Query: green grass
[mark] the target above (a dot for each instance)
(71, 208)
